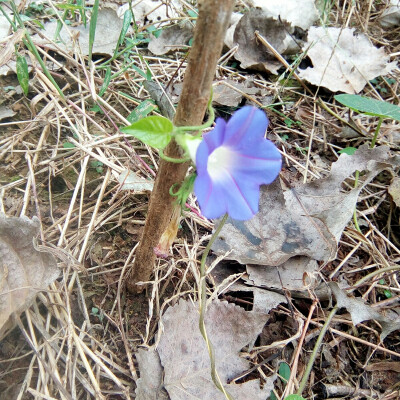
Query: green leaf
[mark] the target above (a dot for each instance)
(125, 26)
(272, 396)
(387, 293)
(284, 371)
(370, 106)
(106, 82)
(154, 131)
(139, 71)
(68, 145)
(92, 27)
(348, 150)
(141, 111)
(193, 14)
(23, 74)
(294, 397)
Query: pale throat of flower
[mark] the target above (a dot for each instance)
(220, 162)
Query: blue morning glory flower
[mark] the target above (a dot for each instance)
(232, 161)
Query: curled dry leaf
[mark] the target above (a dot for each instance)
(185, 359)
(23, 270)
(361, 311)
(171, 38)
(343, 61)
(307, 220)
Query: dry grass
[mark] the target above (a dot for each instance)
(83, 332)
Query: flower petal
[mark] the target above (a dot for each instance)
(262, 164)
(232, 162)
(245, 126)
(211, 200)
(215, 138)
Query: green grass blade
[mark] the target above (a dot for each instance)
(23, 73)
(125, 26)
(32, 48)
(106, 82)
(92, 27)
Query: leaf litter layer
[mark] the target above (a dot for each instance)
(65, 162)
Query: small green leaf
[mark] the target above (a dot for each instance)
(193, 14)
(387, 293)
(284, 371)
(348, 150)
(68, 145)
(294, 397)
(272, 396)
(154, 31)
(125, 26)
(154, 131)
(141, 111)
(23, 74)
(369, 106)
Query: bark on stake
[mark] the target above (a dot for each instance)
(211, 25)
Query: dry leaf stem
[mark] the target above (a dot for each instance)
(209, 34)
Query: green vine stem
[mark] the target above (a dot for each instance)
(207, 124)
(315, 351)
(172, 159)
(202, 308)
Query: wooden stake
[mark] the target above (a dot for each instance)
(211, 26)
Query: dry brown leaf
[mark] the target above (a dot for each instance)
(361, 311)
(7, 51)
(131, 181)
(225, 95)
(108, 28)
(152, 11)
(171, 38)
(343, 61)
(305, 221)
(4, 24)
(149, 385)
(185, 359)
(294, 275)
(252, 54)
(6, 112)
(301, 13)
(235, 18)
(384, 366)
(394, 190)
(23, 270)
(390, 18)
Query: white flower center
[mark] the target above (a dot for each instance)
(220, 162)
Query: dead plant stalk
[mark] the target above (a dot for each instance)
(209, 34)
